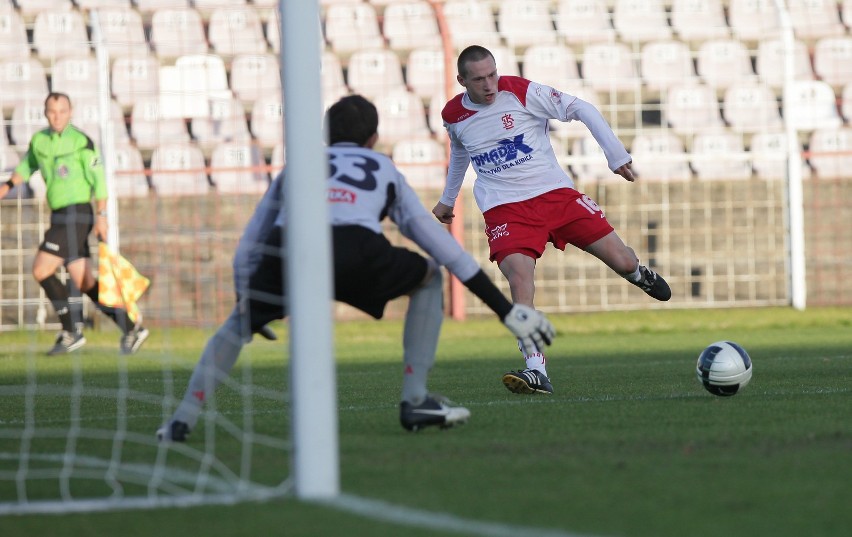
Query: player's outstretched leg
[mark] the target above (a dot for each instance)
(527, 381)
(653, 284)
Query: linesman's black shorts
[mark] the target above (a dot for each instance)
(369, 272)
(68, 235)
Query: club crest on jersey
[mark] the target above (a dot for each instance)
(341, 195)
(508, 121)
(497, 231)
(506, 151)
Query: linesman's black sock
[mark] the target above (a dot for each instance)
(58, 296)
(118, 315)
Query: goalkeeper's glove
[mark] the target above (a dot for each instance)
(531, 327)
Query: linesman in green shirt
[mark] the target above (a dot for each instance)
(73, 173)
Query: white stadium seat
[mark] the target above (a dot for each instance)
(699, 20)
(813, 19)
(22, 81)
(722, 62)
(836, 146)
(752, 20)
(813, 106)
(331, 77)
(27, 119)
(236, 30)
(86, 115)
(833, 60)
(656, 157)
(715, 156)
(267, 120)
(130, 179)
(425, 71)
(664, 63)
(691, 108)
(255, 75)
(769, 61)
(374, 72)
(554, 65)
(76, 76)
(471, 22)
(423, 162)
(148, 7)
(402, 115)
(608, 66)
(187, 86)
(226, 122)
(123, 31)
(592, 166)
(583, 21)
(525, 23)
(13, 36)
(846, 102)
(150, 129)
(178, 169)
(640, 20)
(238, 168)
(352, 27)
(176, 32)
(751, 107)
(60, 33)
(409, 25)
(134, 77)
(769, 156)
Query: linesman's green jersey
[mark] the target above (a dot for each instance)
(70, 165)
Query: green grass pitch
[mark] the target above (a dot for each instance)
(629, 444)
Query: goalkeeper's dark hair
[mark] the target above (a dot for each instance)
(351, 119)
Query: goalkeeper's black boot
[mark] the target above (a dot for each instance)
(174, 431)
(434, 410)
(527, 381)
(653, 284)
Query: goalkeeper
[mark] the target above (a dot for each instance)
(364, 186)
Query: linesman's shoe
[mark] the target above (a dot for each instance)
(67, 342)
(527, 381)
(131, 341)
(174, 431)
(434, 410)
(653, 284)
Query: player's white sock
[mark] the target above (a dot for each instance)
(219, 356)
(536, 361)
(634, 276)
(420, 338)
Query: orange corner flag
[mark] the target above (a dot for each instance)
(119, 283)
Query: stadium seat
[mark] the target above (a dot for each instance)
(267, 120)
(752, 20)
(424, 71)
(836, 144)
(148, 7)
(699, 20)
(664, 63)
(846, 13)
(4, 140)
(640, 20)
(177, 32)
(722, 62)
(659, 156)
(103, 4)
(226, 122)
(22, 81)
(720, 155)
(352, 27)
(769, 156)
(813, 106)
(331, 77)
(691, 108)
(254, 75)
(236, 30)
(813, 19)
(130, 179)
(76, 76)
(583, 21)
(13, 36)
(273, 31)
(769, 62)
(554, 65)
(60, 33)
(471, 22)
(833, 60)
(751, 107)
(188, 85)
(590, 165)
(409, 25)
(9, 158)
(374, 72)
(846, 102)
(238, 168)
(609, 66)
(134, 77)
(402, 116)
(27, 119)
(87, 117)
(433, 117)
(523, 24)
(30, 9)
(149, 129)
(178, 169)
(123, 31)
(423, 162)
(507, 61)
(207, 7)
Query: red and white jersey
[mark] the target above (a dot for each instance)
(508, 142)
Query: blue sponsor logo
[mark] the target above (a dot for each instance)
(506, 151)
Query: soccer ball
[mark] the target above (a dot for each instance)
(723, 368)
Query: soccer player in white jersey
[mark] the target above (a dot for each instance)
(363, 188)
(499, 125)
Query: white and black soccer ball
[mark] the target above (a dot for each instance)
(723, 368)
